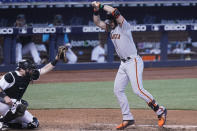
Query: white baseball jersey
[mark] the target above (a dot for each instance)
(122, 39)
(129, 70)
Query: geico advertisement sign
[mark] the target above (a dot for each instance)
(92, 29)
(138, 28)
(6, 30)
(175, 27)
(44, 30)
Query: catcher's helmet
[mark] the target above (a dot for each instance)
(26, 64)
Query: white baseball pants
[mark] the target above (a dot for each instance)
(30, 47)
(132, 71)
(72, 58)
(24, 120)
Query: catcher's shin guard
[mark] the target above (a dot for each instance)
(3, 126)
(15, 125)
(8, 117)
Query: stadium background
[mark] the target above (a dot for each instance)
(82, 99)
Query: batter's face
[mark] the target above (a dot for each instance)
(112, 24)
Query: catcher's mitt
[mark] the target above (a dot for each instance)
(62, 53)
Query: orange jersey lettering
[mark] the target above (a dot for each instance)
(115, 36)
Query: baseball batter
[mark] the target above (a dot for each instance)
(13, 85)
(131, 67)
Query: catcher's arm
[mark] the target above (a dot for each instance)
(4, 98)
(4, 84)
(50, 66)
(61, 55)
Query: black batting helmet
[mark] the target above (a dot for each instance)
(110, 18)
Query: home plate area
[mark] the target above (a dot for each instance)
(135, 127)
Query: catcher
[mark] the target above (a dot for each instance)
(13, 85)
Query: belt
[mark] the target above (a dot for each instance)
(128, 58)
(124, 60)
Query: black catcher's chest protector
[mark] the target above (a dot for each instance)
(18, 89)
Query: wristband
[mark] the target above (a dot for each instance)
(54, 62)
(96, 12)
(116, 13)
(101, 6)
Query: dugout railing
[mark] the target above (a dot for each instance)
(86, 3)
(11, 33)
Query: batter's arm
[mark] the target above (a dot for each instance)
(98, 22)
(115, 13)
(96, 17)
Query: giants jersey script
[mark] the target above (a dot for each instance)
(122, 39)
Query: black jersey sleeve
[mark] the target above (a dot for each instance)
(9, 78)
(35, 74)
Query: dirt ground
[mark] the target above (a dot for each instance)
(107, 119)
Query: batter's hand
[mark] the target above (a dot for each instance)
(8, 100)
(96, 5)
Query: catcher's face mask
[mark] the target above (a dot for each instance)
(26, 66)
(25, 72)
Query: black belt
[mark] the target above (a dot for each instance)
(124, 60)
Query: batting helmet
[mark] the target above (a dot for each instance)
(110, 18)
